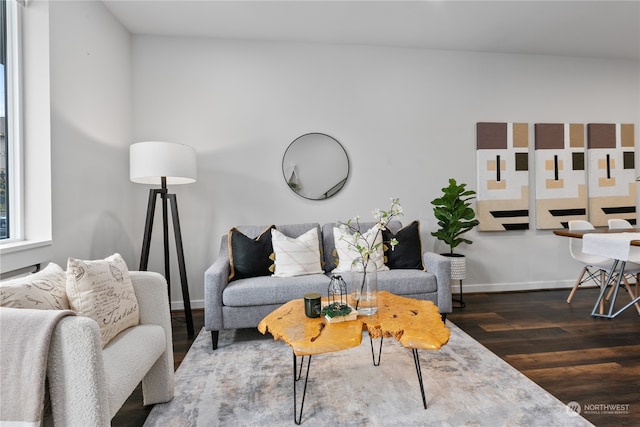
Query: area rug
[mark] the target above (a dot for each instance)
(248, 381)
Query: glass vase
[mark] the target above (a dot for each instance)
(364, 286)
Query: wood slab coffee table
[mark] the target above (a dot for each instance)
(416, 324)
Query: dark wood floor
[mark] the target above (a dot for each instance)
(577, 358)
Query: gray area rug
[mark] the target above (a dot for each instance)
(248, 382)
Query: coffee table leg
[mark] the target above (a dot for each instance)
(297, 376)
(373, 356)
(416, 360)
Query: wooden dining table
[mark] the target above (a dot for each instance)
(617, 269)
(579, 233)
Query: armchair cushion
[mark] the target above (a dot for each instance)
(102, 290)
(44, 290)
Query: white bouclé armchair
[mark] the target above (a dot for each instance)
(88, 384)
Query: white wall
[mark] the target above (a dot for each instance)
(406, 118)
(91, 125)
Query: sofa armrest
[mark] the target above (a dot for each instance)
(216, 278)
(441, 267)
(75, 370)
(153, 305)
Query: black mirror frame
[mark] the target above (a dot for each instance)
(334, 190)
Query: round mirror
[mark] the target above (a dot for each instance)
(315, 166)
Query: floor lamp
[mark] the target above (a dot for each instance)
(164, 163)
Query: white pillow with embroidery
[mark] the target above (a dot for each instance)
(347, 253)
(296, 257)
(44, 290)
(102, 290)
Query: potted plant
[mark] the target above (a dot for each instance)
(455, 217)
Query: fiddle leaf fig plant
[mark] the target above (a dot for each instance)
(454, 214)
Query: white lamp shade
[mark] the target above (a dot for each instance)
(151, 160)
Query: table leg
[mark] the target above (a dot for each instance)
(611, 314)
(416, 360)
(595, 312)
(379, 351)
(297, 375)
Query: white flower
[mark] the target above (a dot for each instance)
(367, 248)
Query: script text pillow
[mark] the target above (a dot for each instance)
(102, 290)
(407, 254)
(296, 257)
(250, 257)
(347, 252)
(45, 290)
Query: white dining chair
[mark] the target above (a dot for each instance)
(633, 265)
(595, 267)
(619, 224)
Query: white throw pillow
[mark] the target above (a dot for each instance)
(296, 257)
(102, 290)
(45, 290)
(347, 252)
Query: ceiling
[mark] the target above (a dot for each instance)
(603, 29)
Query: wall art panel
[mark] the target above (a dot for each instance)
(560, 174)
(611, 172)
(503, 176)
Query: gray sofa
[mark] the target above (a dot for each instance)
(243, 303)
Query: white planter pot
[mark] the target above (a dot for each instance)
(458, 266)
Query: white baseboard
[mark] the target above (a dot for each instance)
(508, 287)
(455, 288)
(195, 304)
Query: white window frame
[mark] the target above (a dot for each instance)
(14, 123)
(33, 242)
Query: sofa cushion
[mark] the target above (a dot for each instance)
(347, 252)
(265, 290)
(297, 230)
(407, 282)
(328, 243)
(45, 290)
(248, 256)
(102, 290)
(296, 256)
(408, 252)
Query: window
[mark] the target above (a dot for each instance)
(27, 160)
(4, 229)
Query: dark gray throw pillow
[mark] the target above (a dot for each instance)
(408, 252)
(250, 257)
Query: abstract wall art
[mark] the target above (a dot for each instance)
(611, 172)
(580, 172)
(503, 176)
(560, 174)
